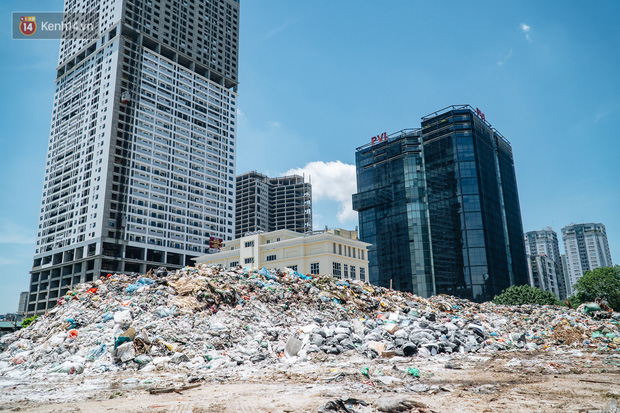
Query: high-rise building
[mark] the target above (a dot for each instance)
(440, 207)
(542, 274)
(140, 167)
(586, 248)
(393, 213)
(23, 300)
(569, 290)
(544, 243)
(269, 204)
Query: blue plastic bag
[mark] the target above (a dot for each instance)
(267, 274)
(96, 352)
(145, 281)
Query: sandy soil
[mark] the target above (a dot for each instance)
(569, 381)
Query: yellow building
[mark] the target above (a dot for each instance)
(319, 252)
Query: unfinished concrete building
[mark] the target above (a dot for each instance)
(269, 204)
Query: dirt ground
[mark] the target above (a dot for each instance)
(569, 381)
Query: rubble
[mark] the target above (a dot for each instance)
(215, 323)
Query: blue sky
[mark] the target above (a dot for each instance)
(320, 78)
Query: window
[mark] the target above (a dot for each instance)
(334, 244)
(271, 257)
(314, 268)
(234, 263)
(362, 273)
(349, 251)
(346, 271)
(339, 249)
(249, 244)
(337, 270)
(353, 269)
(292, 267)
(354, 249)
(249, 260)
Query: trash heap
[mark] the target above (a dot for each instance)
(210, 318)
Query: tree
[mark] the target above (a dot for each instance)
(601, 283)
(29, 321)
(525, 294)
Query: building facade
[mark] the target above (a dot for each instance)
(569, 290)
(393, 216)
(141, 158)
(23, 302)
(269, 204)
(542, 274)
(586, 248)
(543, 247)
(440, 207)
(318, 252)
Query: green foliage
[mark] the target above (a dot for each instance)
(525, 294)
(574, 301)
(28, 321)
(602, 283)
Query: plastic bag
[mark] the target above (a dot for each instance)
(96, 352)
(68, 367)
(413, 371)
(122, 317)
(125, 352)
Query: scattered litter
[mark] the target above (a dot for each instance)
(216, 322)
(413, 372)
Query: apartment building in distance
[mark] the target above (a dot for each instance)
(542, 274)
(141, 157)
(334, 252)
(269, 204)
(545, 262)
(586, 248)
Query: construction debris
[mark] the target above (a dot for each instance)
(218, 323)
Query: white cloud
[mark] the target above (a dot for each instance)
(274, 124)
(334, 181)
(526, 29)
(505, 59)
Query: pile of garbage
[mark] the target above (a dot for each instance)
(210, 318)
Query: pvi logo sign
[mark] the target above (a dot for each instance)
(379, 138)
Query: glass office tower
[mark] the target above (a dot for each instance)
(468, 221)
(393, 216)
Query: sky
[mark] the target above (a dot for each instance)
(320, 78)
